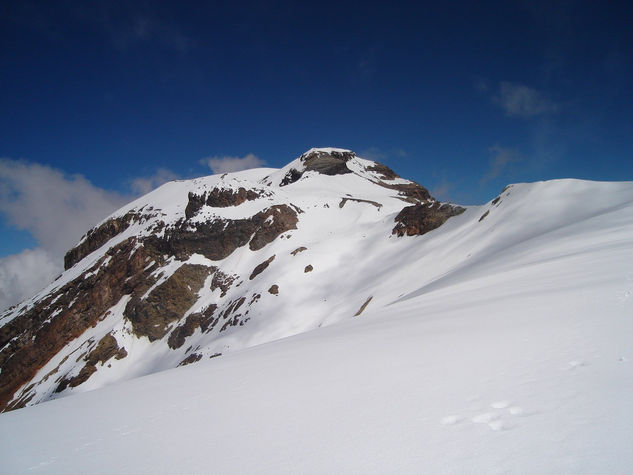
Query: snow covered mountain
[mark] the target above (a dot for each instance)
(200, 267)
(421, 337)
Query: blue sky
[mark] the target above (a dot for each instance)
(112, 98)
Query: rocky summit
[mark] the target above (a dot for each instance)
(202, 267)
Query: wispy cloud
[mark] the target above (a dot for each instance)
(442, 190)
(143, 185)
(229, 164)
(378, 155)
(500, 159)
(24, 274)
(518, 100)
(55, 208)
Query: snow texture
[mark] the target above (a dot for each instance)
(495, 345)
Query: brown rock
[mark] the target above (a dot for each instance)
(261, 267)
(220, 198)
(192, 358)
(97, 237)
(274, 289)
(106, 348)
(168, 302)
(203, 320)
(41, 331)
(308, 268)
(422, 218)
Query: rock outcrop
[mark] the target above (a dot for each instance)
(421, 218)
(97, 237)
(331, 162)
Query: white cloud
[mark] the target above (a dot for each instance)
(522, 101)
(56, 209)
(24, 274)
(500, 158)
(442, 190)
(143, 185)
(232, 164)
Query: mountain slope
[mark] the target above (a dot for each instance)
(499, 342)
(201, 267)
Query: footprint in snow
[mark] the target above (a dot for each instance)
(485, 418)
(493, 420)
(517, 411)
(575, 364)
(451, 420)
(500, 404)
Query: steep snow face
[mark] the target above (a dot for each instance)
(202, 267)
(498, 342)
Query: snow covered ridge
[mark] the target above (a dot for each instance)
(499, 342)
(205, 267)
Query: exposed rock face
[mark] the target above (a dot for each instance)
(106, 348)
(168, 302)
(203, 320)
(35, 336)
(220, 198)
(218, 239)
(385, 172)
(298, 250)
(274, 289)
(421, 218)
(98, 237)
(410, 192)
(192, 358)
(261, 267)
(327, 163)
(364, 306)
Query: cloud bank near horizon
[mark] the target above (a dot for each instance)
(56, 209)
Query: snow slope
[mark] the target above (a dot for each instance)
(494, 345)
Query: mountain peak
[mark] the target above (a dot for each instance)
(200, 267)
